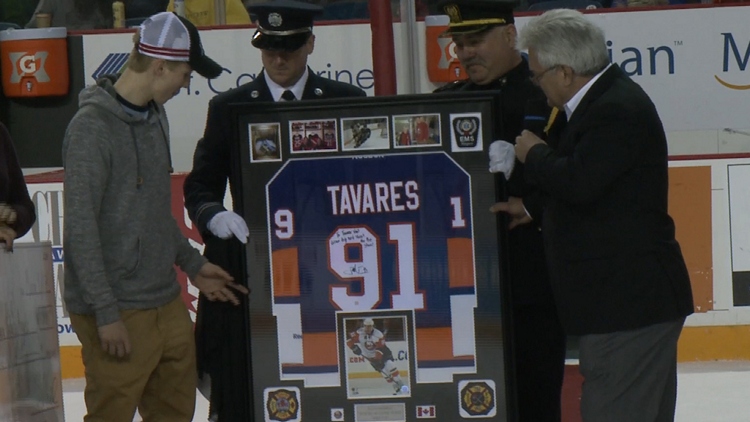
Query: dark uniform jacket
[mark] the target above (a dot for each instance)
(206, 184)
(220, 327)
(535, 341)
(529, 276)
(613, 256)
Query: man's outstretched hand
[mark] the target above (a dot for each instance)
(217, 284)
(515, 209)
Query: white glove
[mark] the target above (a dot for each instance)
(502, 158)
(227, 223)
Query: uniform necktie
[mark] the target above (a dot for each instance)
(288, 96)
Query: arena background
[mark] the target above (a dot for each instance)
(691, 61)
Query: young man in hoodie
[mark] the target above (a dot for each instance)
(121, 240)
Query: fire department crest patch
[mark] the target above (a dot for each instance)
(282, 405)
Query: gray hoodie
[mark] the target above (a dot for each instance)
(121, 241)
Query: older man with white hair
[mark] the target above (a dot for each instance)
(618, 275)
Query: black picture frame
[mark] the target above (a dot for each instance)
(466, 125)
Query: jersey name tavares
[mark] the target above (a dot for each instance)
(357, 234)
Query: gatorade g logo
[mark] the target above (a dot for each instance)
(25, 64)
(442, 61)
(447, 52)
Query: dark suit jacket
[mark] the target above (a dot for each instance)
(610, 244)
(221, 342)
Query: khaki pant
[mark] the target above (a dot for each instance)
(158, 377)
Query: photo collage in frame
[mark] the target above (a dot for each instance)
(351, 134)
(366, 217)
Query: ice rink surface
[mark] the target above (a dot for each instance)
(707, 392)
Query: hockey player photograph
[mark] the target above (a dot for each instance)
(370, 133)
(377, 357)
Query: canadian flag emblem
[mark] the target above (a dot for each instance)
(426, 412)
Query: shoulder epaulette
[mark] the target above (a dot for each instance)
(452, 85)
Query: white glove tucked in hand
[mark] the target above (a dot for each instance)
(502, 158)
(227, 224)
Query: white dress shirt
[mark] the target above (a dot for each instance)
(276, 89)
(572, 104)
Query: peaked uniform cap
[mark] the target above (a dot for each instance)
(282, 24)
(472, 16)
(170, 37)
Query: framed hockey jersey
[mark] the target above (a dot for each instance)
(375, 266)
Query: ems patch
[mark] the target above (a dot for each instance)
(466, 132)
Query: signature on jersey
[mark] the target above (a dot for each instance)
(356, 270)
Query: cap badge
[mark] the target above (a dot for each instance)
(274, 19)
(453, 12)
